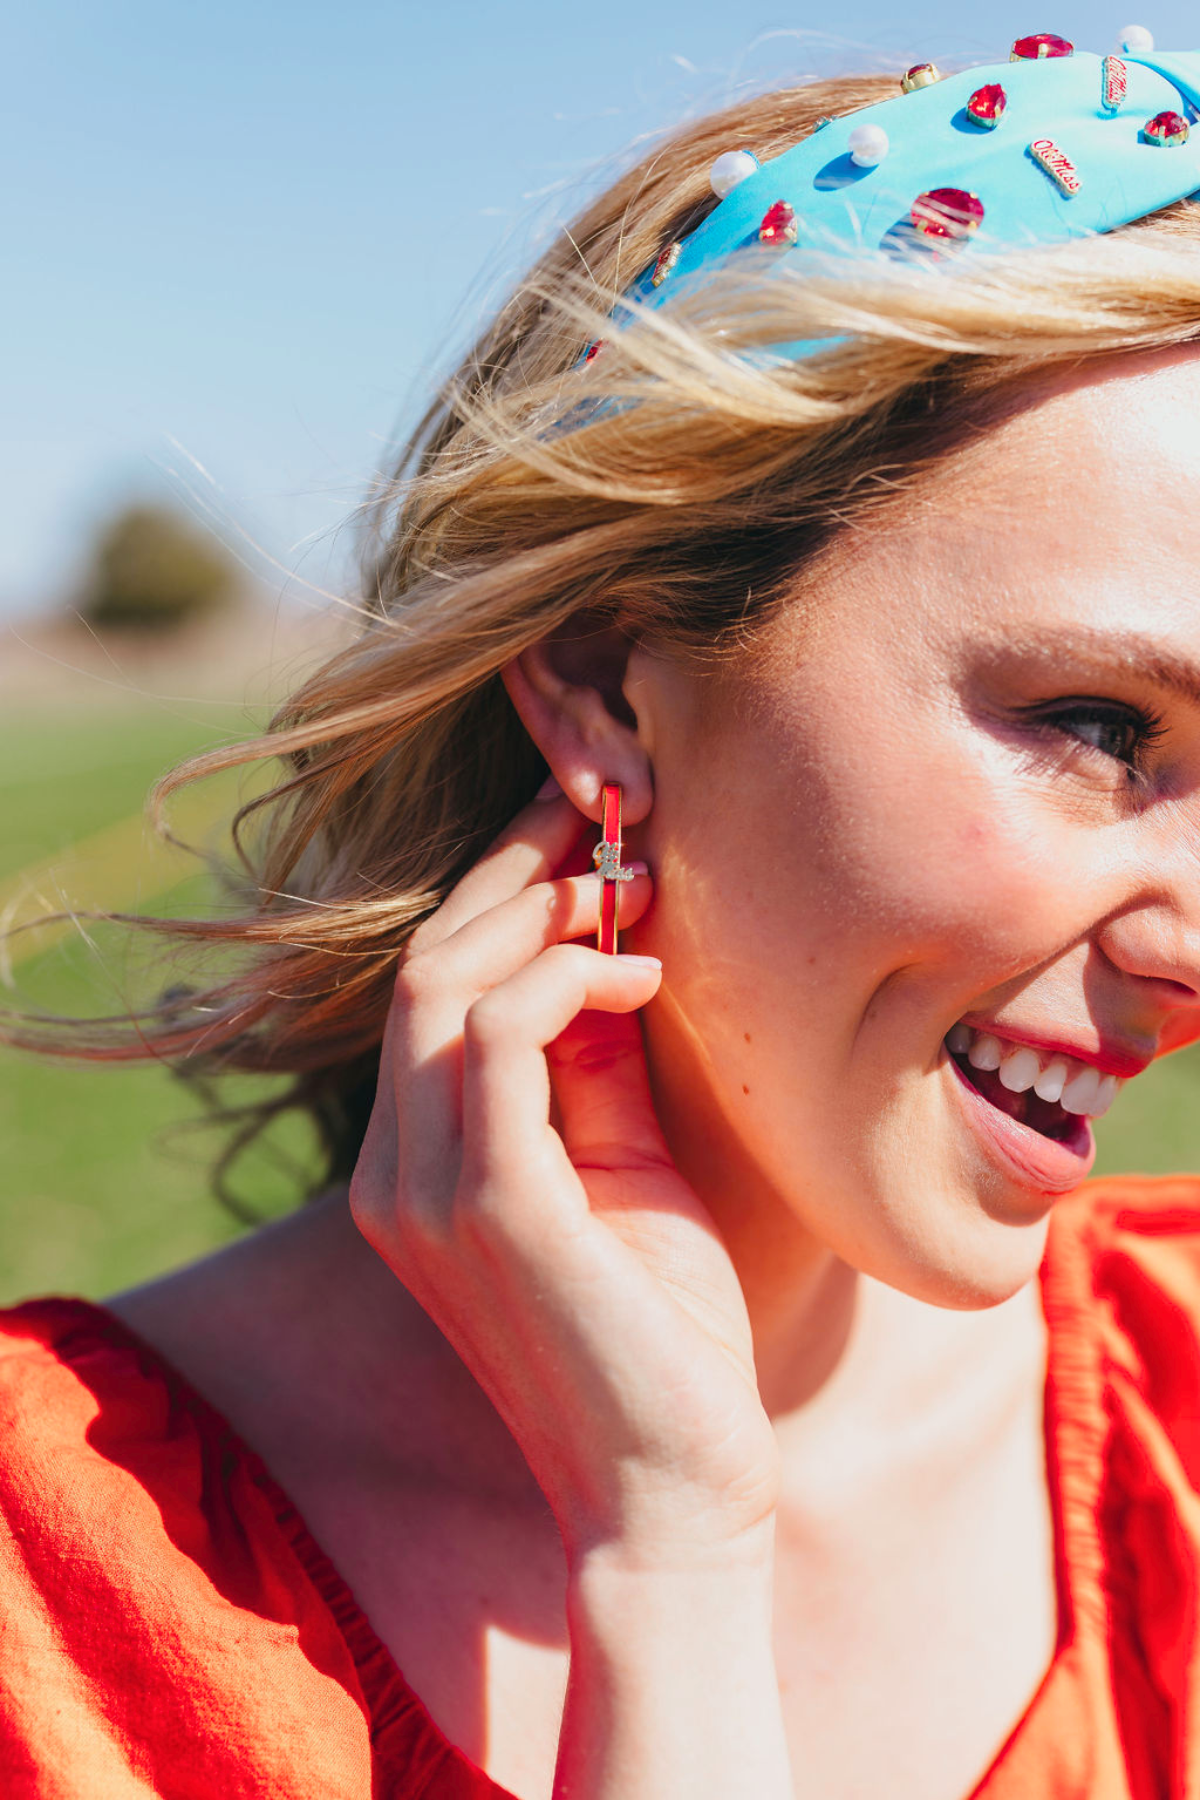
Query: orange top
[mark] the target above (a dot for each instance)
(168, 1626)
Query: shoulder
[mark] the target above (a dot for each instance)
(77, 1406)
(1121, 1282)
(149, 1589)
(112, 1469)
(1121, 1293)
(1130, 1245)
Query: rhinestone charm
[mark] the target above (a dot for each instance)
(606, 857)
(1135, 40)
(868, 146)
(919, 76)
(666, 262)
(946, 213)
(1041, 44)
(730, 170)
(1057, 164)
(778, 226)
(1167, 128)
(987, 105)
(1114, 85)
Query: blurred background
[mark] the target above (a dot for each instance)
(243, 242)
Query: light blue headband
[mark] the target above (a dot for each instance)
(1053, 144)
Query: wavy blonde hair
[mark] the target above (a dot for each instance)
(681, 513)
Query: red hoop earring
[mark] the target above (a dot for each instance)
(607, 860)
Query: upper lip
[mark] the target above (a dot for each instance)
(1112, 1056)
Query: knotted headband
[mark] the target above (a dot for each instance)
(1051, 145)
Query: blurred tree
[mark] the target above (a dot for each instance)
(151, 571)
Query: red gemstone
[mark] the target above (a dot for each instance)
(1166, 128)
(778, 224)
(594, 350)
(919, 76)
(986, 105)
(1042, 43)
(947, 212)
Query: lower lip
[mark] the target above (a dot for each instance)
(1024, 1154)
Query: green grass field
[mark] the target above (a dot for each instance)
(104, 1179)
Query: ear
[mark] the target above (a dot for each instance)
(572, 693)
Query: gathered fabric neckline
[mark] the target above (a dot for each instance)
(1073, 1437)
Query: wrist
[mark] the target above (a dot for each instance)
(650, 1557)
(673, 1687)
(662, 1536)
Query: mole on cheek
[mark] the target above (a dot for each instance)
(978, 831)
(746, 1035)
(745, 1089)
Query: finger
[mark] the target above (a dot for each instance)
(494, 945)
(436, 987)
(606, 1115)
(506, 1084)
(531, 848)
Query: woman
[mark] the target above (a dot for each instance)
(706, 1374)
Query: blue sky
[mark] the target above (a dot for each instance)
(243, 237)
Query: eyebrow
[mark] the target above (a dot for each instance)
(1130, 652)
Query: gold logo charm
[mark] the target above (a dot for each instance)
(1057, 164)
(607, 859)
(1114, 84)
(666, 262)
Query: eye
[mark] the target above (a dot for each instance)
(1113, 728)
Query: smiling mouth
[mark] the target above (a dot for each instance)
(1052, 1095)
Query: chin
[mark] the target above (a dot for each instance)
(966, 1215)
(972, 1249)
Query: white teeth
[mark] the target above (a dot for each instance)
(1105, 1095)
(1079, 1087)
(1052, 1080)
(985, 1052)
(1020, 1069)
(1080, 1093)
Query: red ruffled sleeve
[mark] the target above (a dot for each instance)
(167, 1625)
(1118, 1717)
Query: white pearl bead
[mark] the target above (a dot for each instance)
(868, 145)
(1135, 38)
(730, 170)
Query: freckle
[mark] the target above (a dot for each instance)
(745, 1089)
(746, 1035)
(811, 961)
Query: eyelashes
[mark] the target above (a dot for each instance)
(1121, 732)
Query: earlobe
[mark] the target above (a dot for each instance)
(570, 694)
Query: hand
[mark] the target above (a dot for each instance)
(573, 1270)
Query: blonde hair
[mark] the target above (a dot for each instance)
(681, 504)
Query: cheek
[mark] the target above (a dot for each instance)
(825, 848)
(1007, 876)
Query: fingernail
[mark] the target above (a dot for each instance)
(549, 790)
(645, 962)
(639, 868)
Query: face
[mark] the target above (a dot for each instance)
(945, 813)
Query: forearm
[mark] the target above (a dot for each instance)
(673, 1693)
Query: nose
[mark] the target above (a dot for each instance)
(1156, 934)
(1154, 943)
